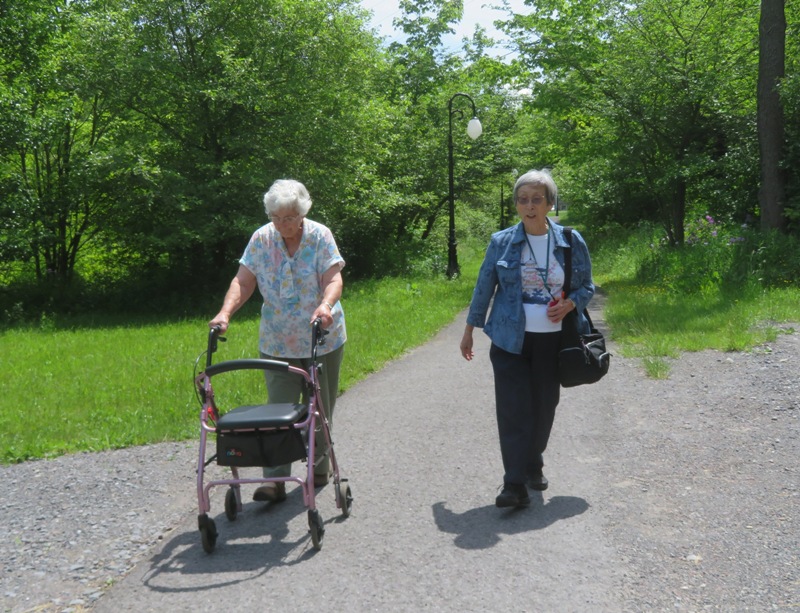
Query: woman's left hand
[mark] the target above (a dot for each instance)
(558, 309)
(323, 312)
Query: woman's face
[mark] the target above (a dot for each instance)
(288, 222)
(532, 205)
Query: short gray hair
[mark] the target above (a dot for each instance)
(287, 193)
(538, 177)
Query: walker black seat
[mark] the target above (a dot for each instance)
(260, 416)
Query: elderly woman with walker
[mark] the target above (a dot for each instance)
(296, 266)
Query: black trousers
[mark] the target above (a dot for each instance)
(527, 394)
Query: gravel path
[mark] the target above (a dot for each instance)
(675, 495)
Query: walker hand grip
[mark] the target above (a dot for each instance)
(213, 337)
(318, 332)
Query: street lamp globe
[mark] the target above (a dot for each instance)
(474, 128)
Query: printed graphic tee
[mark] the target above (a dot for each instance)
(540, 272)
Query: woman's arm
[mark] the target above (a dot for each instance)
(481, 299)
(332, 285)
(484, 287)
(242, 287)
(467, 343)
(582, 273)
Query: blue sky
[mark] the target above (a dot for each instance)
(475, 11)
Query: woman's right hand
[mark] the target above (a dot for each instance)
(221, 320)
(466, 345)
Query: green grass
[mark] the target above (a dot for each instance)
(649, 322)
(80, 387)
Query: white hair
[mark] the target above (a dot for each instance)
(287, 194)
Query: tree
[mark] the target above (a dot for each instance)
(52, 134)
(790, 97)
(153, 127)
(410, 186)
(649, 97)
(771, 132)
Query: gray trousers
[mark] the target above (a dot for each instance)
(286, 387)
(527, 392)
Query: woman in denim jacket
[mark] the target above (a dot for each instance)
(522, 277)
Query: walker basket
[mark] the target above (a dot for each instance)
(261, 435)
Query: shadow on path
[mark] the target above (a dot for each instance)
(246, 549)
(481, 528)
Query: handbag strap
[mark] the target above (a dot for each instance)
(568, 260)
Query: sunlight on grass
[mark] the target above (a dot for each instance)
(656, 367)
(653, 319)
(93, 389)
(89, 388)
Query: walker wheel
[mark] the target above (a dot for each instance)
(208, 532)
(231, 508)
(344, 499)
(317, 529)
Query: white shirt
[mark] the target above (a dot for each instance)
(535, 295)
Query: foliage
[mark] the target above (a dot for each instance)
(651, 101)
(239, 95)
(200, 104)
(771, 259)
(53, 169)
(112, 382)
(153, 127)
(719, 257)
(137, 136)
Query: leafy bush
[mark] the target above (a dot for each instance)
(722, 255)
(771, 258)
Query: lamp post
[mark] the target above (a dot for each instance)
(502, 209)
(474, 130)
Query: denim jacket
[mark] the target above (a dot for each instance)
(500, 278)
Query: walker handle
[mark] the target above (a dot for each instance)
(213, 337)
(318, 334)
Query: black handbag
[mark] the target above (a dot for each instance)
(583, 358)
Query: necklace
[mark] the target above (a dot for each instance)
(547, 261)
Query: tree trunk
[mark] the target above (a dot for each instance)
(679, 211)
(771, 131)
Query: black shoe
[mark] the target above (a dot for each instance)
(513, 495)
(537, 482)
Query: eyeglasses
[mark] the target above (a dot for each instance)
(287, 219)
(534, 200)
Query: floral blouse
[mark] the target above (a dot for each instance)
(292, 290)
